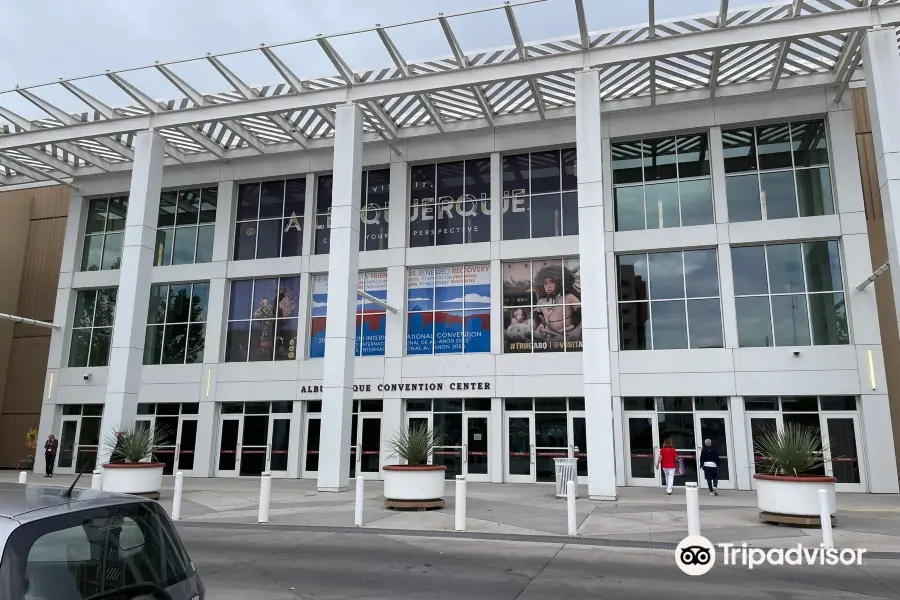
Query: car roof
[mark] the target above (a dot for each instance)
(18, 501)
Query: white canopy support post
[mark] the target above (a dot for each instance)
(878, 273)
(26, 321)
(377, 301)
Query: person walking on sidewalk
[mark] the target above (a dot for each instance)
(668, 457)
(50, 448)
(709, 460)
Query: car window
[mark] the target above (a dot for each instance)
(83, 553)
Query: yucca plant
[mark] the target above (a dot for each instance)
(415, 444)
(136, 443)
(794, 450)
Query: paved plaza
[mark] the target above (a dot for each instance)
(639, 517)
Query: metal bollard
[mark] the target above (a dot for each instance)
(176, 499)
(825, 517)
(360, 496)
(23, 477)
(692, 497)
(265, 494)
(97, 480)
(460, 503)
(570, 507)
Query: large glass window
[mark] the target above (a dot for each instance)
(104, 234)
(262, 320)
(669, 300)
(777, 171)
(540, 195)
(449, 310)
(373, 215)
(176, 324)
(322, 238)
(92, 328)
(269, 219)
(370, 317)
(542, 306)
(185, 227)
(662, 182)
(790, 295)
(449, 203)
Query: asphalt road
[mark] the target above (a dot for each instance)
(269, 564)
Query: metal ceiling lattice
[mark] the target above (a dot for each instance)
(749, 50)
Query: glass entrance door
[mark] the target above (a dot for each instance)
(842, 453)
(551, 440)
(68, 442)
(520, 456)
(88, 443)
(279, 443)
(715, 428)
(254, 448)
(180, 441)
(167, 430)
(229, 446)
(476, 465)
(578, 444)
(312, 430)
(758, 424)
(642, 449)
(365, 449)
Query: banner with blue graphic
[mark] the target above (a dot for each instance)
(370, 317)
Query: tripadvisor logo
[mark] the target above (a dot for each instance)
(696, 555)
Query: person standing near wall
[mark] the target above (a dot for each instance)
(50, 448)
(709, 460)
(668, 457)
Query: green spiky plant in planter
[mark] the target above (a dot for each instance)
(132, 466)
(787, 485)
(136, 443)
(415, 444)
(415, 484)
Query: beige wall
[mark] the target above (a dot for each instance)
(32, 225)
(884, 294)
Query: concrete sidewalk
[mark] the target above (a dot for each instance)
(638, 515)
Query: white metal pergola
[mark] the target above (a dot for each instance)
(733, 52)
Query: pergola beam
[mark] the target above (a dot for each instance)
(721, 21)
(651, 33)
(295, 82)
(784, 46)
(582, 25)
(198, 99)
(27, 171)
(523, 54)
(249, 93)
(463, 61)
(749, 34)
(26, 125)
(388, 129)
(403, 67)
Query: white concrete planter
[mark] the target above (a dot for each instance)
(142, 479)
(414, 483)
(794, 496)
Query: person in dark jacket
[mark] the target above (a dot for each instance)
(709, 460)
(50, 448)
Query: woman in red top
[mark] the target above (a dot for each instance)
(667, 457)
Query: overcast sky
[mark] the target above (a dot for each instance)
(43, 40)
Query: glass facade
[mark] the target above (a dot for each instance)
(262, 320)
(777, 171)
(104, 234)
(269, 219)
(662, 182)
(186, 226)
(371, 318)
(92, 327)
(176, 324)
(450, 203)
(374, 209)
(540, 195)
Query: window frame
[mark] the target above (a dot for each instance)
(165, 324)
(105, 234)
(276, 320)
(685, 298)
(364, 211)
(326, 216)
(464, 311)
(159, 259)
(73, 329)
(454, 203)
(805, 293)
(508, 198)
(678, 180)
(793, 169)
(236, 222)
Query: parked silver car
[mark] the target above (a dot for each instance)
(59, 543)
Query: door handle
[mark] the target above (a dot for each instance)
(532, 453)
(465, 453)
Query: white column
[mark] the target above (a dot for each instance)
(595, 323)
(495, 441)
(225, 211)
(343, 265)
(876, 444)
(619, 439)
(740, 445)
(882, 67)
(496, 264)
(126, 353)
(206, 451)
